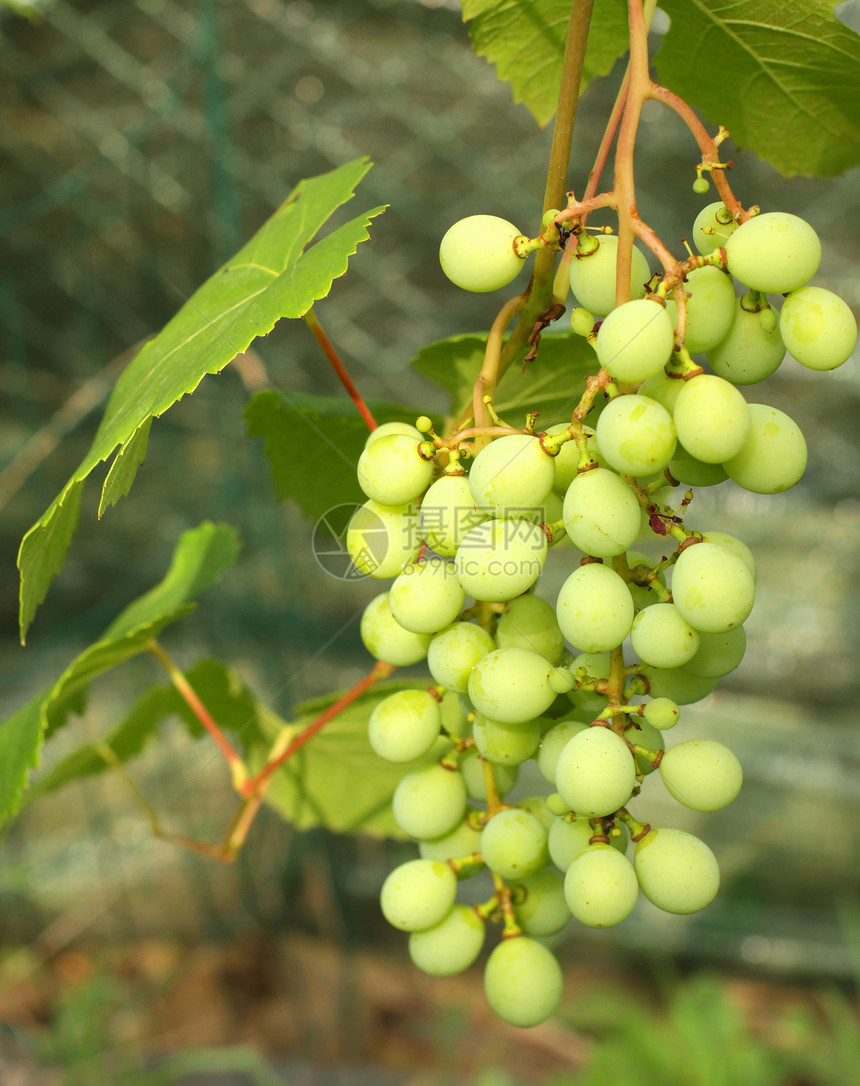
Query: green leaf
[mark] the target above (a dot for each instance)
(271, 277)
(525, 39)
(782, 75)
(552, 384)
(201, 556)
(313, 444)
(336, 779)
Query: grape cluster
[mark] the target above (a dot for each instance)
(586, 688)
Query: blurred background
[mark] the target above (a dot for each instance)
(143, 141)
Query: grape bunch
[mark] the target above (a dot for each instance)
(586, 688)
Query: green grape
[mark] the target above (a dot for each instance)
(636, 435)
(530, 623)
(427, 596)
(567, 838)
(404, 726)
(595, 608)
(600, 886)
(601, 513)
(676, 871)
(635, 341)
(733, 545)
(501, 559)
(712, 588)
(418, 894)
(701, 185)
(451, 946)
(710, 308)
(661, 637)
(552, 744)
(386, 640)
(718, 653)
(429, 802)
(511, 686)
(713, 227)
(477, 253)
(394, 428)
(678, 684)
(774, 253)
(595, 773)
(381, 540)
(540, 907)
(750, 352)
(462, 841)
(818, 328)
(663, 713)
(592, 274)
(773, 457)
(505, 744)
(712, 418)
(523, 981)
(701, 774)
(454, 652)
(392, 472)
(513, 843)
(566, 464)
(556, 805)
(537, 806)
(472, 768)
(512, 473)
(448, 512)
(662, 388)
(643, 595)
(687, 469)
(596, 667)
(454, 715)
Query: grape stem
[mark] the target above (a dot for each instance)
(331, 354)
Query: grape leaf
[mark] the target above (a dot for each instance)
(552, 384)
(782, 75)
(273, 276)
(313, 444)
(525, 39)
(201, 556)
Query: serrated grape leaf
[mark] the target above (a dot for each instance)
(336, 779)
(552, 384)
(271, 277)
(201, 556)
(782, 75)
(124, 467)
(525, 40)
(313, 444)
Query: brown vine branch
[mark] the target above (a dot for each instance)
(339, 368)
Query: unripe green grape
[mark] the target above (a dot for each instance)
(454, 715)
(713, 227)
(462, 841)
(643, 594)
(712, 588)
(712, 418)
(566, 464)
(391, 471)
(556, 805)
(511, 686)
(773, 457)
(678, 683)
(718, 654)
(733, 545)
(537, 806)
(382, 539)
(453, 653)
(582, 321)
(818, 328)
(595, 773)
(676, 871)
(601, 513)
(774, 253)
(448, 512)
(663, 713)
(568, 837)
(472, 768)
(701, 774)
(513, 843)
(636, 435)
(512, 473)
(386, 640)
(451, 946)
(387, 428)
(635, 341)
(750, 352)
(662, 388)
(701, 185)
(595, 608)
(540, 906)
(710, 308)
(597, 667)
(530, 623)
(418, 894)
(661, 637)
(600, 886)
(404, 726)
(523, 981)
(501, 559)
(592, 276)
(429, 802)
(687, 469)
(477, 253)
(505, 744)
(552, 744)
(427, 596)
